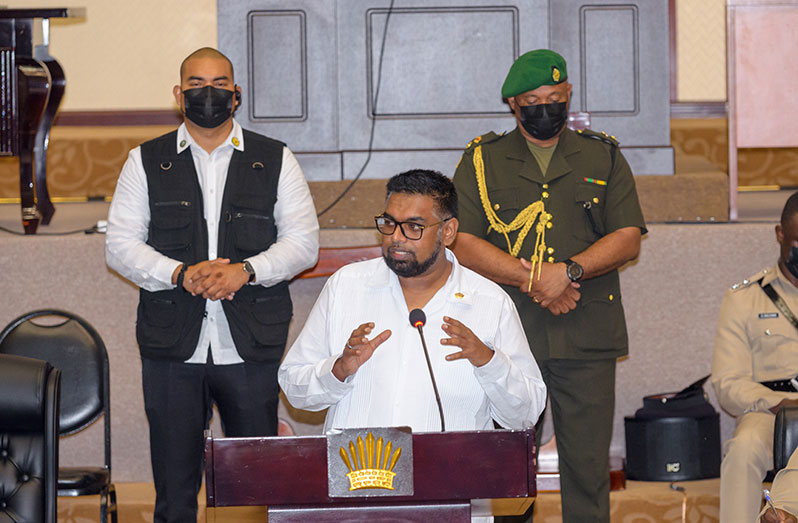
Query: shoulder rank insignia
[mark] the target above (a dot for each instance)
(485, 138)
(474, 142)
(602, 136)
(746, 282)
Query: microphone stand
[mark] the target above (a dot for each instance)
(419, 325)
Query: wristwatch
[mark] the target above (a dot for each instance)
(573, 270)
(249, 270)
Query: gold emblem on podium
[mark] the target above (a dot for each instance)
(371, 465)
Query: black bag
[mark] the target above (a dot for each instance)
(674, 437)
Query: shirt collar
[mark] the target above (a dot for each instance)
(235, 139)
(456, 289)
(776, 275)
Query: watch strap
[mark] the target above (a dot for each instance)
(181, 276)
(249, 270)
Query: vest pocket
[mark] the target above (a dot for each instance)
(271, 315)
(156, 322)
(170, 226)
(253, 231)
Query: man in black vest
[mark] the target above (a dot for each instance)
(210, 221)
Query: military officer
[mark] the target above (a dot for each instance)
(755, 359)
(551, 214)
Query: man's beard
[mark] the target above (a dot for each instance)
(411, 267)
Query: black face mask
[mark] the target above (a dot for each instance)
(208, 106)
(544, 121)
(792, 262)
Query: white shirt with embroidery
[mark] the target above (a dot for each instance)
(393, 388)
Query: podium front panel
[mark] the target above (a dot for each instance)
(455, 466)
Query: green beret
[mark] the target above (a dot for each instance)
(533, 69)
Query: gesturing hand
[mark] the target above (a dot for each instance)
(358, 350)
(461, 336)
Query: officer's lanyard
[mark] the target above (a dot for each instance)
(779, 303)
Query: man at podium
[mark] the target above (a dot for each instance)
(360, 357)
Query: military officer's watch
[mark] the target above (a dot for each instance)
(249, 270)
(573, 270)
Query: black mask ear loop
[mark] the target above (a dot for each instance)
(792, 261)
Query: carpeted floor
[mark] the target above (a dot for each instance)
(639, 502)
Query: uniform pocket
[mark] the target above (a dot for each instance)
(598, 323)
(505, 203)
(589, 198)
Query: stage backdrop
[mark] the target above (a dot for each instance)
(319, 74)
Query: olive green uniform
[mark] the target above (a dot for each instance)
(589, 191)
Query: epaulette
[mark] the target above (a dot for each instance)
(756, 278)
(483, 139)
(604, 137)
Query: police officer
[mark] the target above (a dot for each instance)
(756, 355)
(551, 214)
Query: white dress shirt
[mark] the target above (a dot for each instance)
(393, 388)
(127, 252)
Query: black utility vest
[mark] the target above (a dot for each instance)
(168, 323)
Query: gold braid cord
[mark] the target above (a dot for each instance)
(524, 220)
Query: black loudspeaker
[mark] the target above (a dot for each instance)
(672, 448)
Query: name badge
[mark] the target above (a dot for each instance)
(768, 315)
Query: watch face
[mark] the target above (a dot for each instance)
(249, 270)
(575, 271)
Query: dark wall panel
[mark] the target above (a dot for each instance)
(318, 74)
(277, 65)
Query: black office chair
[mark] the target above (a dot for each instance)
(785, 436)
(73, 346)
(29, 391)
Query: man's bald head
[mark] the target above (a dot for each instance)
(205, 52)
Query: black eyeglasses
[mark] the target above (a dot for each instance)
(411, 230)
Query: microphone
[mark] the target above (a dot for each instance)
(417, 320)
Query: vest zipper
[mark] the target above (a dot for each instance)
(250, 215)
(180, 203)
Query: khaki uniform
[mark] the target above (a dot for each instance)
(754, 343)
(589, 191)
(784, 491)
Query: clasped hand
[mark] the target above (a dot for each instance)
(359, 348)
(553, 290)
(215, 279)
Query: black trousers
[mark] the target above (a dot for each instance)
(179, 399)
(582, 395)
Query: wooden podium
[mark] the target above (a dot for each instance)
(455, 475)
